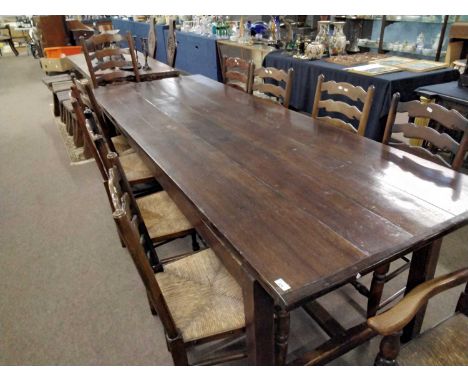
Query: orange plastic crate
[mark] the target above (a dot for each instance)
(61, 51)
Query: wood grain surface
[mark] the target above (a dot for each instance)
(294, 199)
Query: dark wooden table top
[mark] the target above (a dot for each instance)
(158, 69)
(300, 202)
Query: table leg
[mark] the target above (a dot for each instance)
(423, 266)
(281, 336)
(259, 320)
(376, 289)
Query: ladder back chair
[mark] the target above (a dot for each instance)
(444, 345)
(238, 73)
(164, 220)
(84, 94)
(351, 112)
(434, 141)
(268, 90)
(135, 168)
(195, 297)
(106, 60)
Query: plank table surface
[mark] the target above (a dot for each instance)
(302, 205)
(158, 69)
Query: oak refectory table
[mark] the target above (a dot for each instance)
(294, 208)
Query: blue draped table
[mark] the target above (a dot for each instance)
(305, 81)
(196, 54)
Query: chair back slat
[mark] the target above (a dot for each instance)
(277, 91)
(273, 73)
(352, 112)
(111, 64)
(114, 76)
(338, 123)
(236, 62)
(105, 38)
(351, 92)
(109, 52)
(356, 93)
(441, 140)
(236, 76)
(450, 119)
(421, 152)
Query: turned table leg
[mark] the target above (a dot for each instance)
(423, 266)
(376, 289)
(281, 336)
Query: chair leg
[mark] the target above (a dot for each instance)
(177, 348)
(389, 349)
(78, 138)
(462, 305)
(195, 245)
(56, 105)
(153, 311)
(12, 46)
(67, 123)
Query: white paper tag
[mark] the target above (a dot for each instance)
(282, 284)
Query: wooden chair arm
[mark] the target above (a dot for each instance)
(396, 318)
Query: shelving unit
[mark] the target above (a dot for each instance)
(377, 41)
(388, 21)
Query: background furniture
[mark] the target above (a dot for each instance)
(458, 42)
(5, 37)
(448, 94)
(389, 34)
(280, 195)
(196, 54)
(254, 52)
(52, 31)
(307, 72)
(443, 345)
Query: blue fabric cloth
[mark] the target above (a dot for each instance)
(305, 81)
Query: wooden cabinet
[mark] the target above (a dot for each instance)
(53, 31)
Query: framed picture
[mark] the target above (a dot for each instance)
(422, 66)
(394, 61)
(373, 69)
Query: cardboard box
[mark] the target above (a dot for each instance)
(55, 64)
